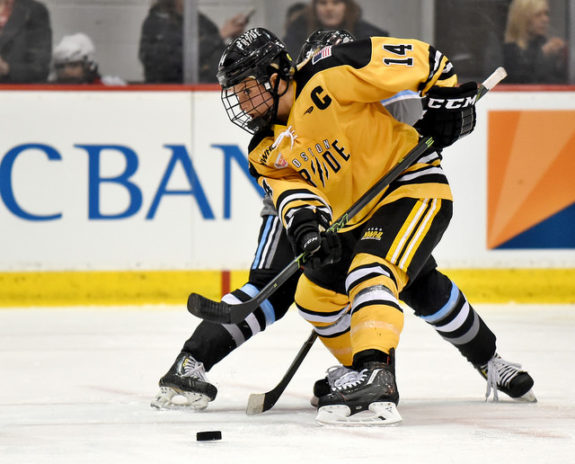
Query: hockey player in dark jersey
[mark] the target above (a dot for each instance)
(431, 294)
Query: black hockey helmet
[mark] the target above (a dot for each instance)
(251, 55)
(319, 39)
(256, 54)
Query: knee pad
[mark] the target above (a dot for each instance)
(369, 270)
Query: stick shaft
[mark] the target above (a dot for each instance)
(261, 402)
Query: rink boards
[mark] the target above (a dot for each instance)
(140, 196)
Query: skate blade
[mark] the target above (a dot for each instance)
(528, 397)
(171, 398)
(379, 414)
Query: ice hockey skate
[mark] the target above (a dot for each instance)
(507, 377)
(361, 398)
(185, 386)
(324, 386)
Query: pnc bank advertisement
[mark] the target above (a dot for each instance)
(158, 180)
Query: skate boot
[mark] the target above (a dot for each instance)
(185, 386)
(365, 397)
(507, 377)
(324, 386)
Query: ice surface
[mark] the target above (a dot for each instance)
(76, 383)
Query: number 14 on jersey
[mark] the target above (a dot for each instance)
(399, 52)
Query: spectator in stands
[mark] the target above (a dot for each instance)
(25, 41)
(292, 13)
(74, 63)
(530, 56)
(161, 49)
(329, 15)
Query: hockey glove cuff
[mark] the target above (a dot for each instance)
(450, 113)
(329, 251)
(304, 233)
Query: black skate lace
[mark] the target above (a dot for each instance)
(499, 373)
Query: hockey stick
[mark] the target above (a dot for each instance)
(260, 402)
(225, 313)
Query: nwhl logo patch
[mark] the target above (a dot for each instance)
(281, 162)
(373, 233)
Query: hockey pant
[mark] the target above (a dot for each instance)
(431, 295)
(354, 305)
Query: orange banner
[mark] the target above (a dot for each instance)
(531, 170)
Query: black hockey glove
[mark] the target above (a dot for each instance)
(450, 113)
(321, 246)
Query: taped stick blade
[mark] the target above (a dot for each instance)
(204, 308)
(255, 404)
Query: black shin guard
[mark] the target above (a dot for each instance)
(438, 301)
(210, 343)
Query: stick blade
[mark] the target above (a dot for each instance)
(204, 308)
(256, 403)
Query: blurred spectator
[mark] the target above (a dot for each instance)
(293, 12)
(161, 43)
(529, 55)
(25, 41)
(74, 63)
(471, 35)
(329, 15)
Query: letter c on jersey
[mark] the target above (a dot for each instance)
(322, 102)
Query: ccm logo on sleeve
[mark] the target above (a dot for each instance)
(451, 103)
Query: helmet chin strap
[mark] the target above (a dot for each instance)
(270, 117)
(276, 99)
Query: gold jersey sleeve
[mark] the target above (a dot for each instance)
(375, 69)
(339, 140)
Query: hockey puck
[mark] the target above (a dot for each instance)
(208, 436)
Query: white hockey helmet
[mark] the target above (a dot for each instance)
(74, 48)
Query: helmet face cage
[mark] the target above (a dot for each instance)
(246, 99)
(250, 60)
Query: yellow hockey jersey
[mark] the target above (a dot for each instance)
(339, 140)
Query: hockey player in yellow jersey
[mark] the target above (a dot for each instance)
(322, 139)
